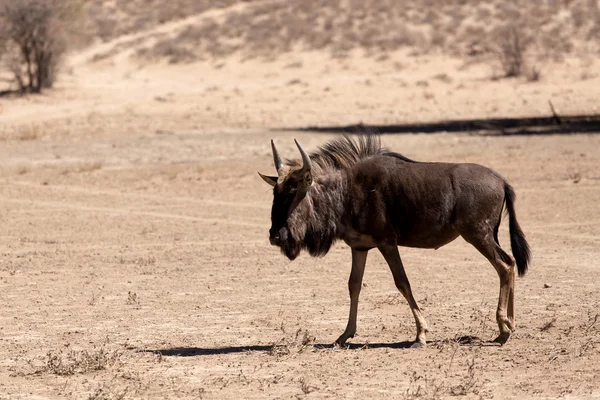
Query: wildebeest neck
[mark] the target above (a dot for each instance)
(313, 224)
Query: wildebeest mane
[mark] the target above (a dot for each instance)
(345, 151)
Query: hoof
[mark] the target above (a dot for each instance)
(341, 341)
(502, 338)
(417, 345)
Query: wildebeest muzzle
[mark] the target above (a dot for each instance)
(277, 237)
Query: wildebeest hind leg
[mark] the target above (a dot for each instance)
(504, 266)
(359, 259)
(392, 257)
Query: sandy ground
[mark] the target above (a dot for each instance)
(134, 258)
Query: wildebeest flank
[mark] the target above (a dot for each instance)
(369, 197)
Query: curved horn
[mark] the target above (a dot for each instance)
(276, 158)
(306, 163)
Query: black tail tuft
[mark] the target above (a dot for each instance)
(520, 248)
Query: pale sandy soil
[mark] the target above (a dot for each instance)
(134, 259)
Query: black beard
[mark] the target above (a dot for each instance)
(317, 245)
(290, 248)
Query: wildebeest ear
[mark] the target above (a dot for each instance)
(306, 179)
(271, 180)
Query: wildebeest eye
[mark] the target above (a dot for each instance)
(289, 189)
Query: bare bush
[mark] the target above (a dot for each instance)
(35, 34)
(287, 346)
(67, 362)
(533, 74)
(511, 46)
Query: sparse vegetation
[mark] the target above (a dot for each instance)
(431, 388)
(305, 387)
(546, 327)
(106, 392)
(536, 30)
(421, 387)
(67, 361)
(132, 299)
(83, 167)
(25, 132)
(510, 49)
(533, 73)
(468, 384)
(104, 22)
(287, 346)
(33, 34)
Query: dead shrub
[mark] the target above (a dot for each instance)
(35, 36)
(79, 362)
(68, 362)
(510, 48)
(107, 392)
(468, 384)
(287, 346)
(132, 299)
(533, 73)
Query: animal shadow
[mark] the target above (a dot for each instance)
(466, 340)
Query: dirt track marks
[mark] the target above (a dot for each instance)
(140, 196)
(120, 211)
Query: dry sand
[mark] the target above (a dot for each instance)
(135, 263)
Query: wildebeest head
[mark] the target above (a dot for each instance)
(289, 189)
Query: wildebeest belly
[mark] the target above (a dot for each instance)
(422, 235)
(424, 224)
(428, 239)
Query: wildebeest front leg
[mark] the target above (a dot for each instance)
(359, 259)
(391, 255)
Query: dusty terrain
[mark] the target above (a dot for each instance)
(149, 275)
(134, 254)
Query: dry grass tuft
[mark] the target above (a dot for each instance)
(469, 383)
(68, 362)
(431, 388)
(546, 327)
(22, 133)
(288, 346)
(305, 387)
(132, 299)
(107, 392)
(421, 387)
(83, 167)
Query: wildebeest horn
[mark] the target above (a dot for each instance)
(306, 164)
(276, 158)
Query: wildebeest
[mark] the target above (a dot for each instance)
(369, 197)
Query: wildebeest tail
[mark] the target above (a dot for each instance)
(520, 248)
